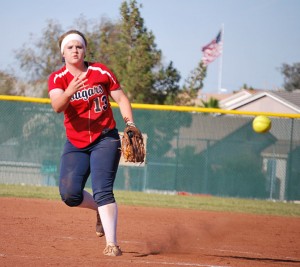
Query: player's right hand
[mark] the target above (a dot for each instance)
(76, 84)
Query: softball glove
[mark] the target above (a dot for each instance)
(133, 149)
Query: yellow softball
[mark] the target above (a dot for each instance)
(261, 124)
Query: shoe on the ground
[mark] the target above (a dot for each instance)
(99, 227)
(112, 250)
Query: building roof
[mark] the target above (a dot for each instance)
(292, 97)
(290, 100)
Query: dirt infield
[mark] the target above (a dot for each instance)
(47, 233)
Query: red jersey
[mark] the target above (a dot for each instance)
(89, 113)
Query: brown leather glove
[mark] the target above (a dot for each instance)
(133, 148)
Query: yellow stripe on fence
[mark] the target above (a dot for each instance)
(164, 107)
(25, 99)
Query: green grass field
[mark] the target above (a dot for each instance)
(206, 203)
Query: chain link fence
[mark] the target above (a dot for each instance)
(187, 152)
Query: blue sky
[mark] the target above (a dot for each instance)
(259, 35)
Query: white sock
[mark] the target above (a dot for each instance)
(109, 217)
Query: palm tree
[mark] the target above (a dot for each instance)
(211, 103)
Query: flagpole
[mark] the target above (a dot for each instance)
(221, 61)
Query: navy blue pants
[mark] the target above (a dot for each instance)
(100, 159)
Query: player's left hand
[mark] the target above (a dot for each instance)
(133, 148)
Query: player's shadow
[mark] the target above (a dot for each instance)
(138, 254)
(259, 259)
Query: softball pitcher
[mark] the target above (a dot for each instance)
(81, 90)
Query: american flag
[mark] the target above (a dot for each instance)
(212, 50)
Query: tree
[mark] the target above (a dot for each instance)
(130, 50)
(109, 41)
(195, 80)
(135, 55)
(7, 83)
(166, 85)
(127, 47)
(192, 86)
(245, 86)
(43, 57)
(40, 59)
(291, 76)
(211, 103)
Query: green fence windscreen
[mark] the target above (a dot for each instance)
(197, 153)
